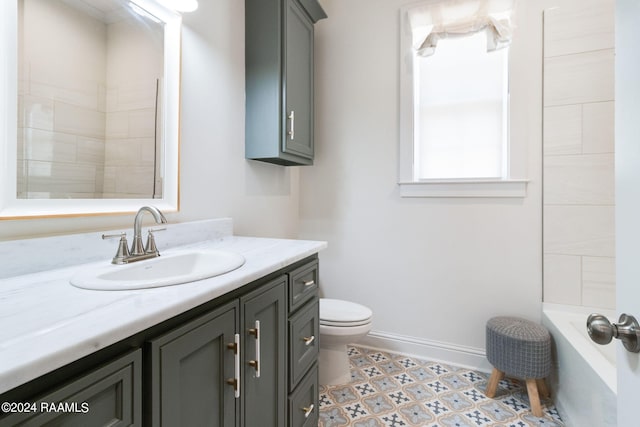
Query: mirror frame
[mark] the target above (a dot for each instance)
(13, 208)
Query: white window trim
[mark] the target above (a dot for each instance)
(409, 187)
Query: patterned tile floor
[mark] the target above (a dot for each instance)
(389, 389)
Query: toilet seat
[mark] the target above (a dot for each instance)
(339, 313)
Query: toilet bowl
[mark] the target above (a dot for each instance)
(341, 323)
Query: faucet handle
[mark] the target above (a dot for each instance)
(151, 247)
(123, 251)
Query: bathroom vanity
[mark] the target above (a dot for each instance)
(239, 349)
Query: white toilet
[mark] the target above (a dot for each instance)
(341, 323)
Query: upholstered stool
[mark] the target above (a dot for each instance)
(521, 349)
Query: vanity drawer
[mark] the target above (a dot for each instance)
(304, 330)
(108, 396)
(303, 403)
(303, 285)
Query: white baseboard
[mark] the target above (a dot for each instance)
(468, 357)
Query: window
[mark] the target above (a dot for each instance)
(455, 99)
(460, 110)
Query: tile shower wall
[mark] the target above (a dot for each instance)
(86, 125)
(130, 146)
(578, 144)
(60, 93)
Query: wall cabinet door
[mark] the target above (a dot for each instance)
(191, 366)
(298, 138)
(264, 316)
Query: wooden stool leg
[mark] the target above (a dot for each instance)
(492, 385)
(542, 388)
(534, 398)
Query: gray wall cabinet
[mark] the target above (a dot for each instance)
(226, 363)
(279, 80)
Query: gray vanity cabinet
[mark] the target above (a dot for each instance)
(246, 359)
(279, 80)
(194, 366)
(190, 368)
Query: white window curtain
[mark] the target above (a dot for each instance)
(452, 18)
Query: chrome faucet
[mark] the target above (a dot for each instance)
(138, 252)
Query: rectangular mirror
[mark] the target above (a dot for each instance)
(91, 91)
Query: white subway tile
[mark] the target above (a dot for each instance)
(137, 181)
(38, 112)
(579, 230)
(579, 180)
(142, 123)
(147, 151)
(598, 128)
(79, 121)
(117, 125)
(91, 150)
(582, 27)
(599, 282)
(137, 95)
(49, 146)
(562, 279)
(562, 130)
(122, 152)
(579, 78)
(56, 177)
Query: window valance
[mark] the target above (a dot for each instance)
(452, 18)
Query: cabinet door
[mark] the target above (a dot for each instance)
(264, 355)
(190, 368)
(298, 135)
(108, 396)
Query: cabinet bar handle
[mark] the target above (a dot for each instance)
(309, 340)
(256, 333)
(309, 283)
(235, 382)
(307, 411)
(292, 126)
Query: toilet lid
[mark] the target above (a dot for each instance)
(338, 312)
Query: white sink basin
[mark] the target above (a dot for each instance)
(166, 270)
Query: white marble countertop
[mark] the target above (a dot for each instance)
(46, 323)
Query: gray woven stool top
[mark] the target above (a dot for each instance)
(518, 347)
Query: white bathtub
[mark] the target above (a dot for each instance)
(584, 381)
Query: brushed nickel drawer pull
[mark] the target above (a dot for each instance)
(309, 283)
(307, 411)
(256, 333)
(309, 340)
(292, 126)
(235, 381)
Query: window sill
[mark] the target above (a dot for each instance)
(465, 188)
